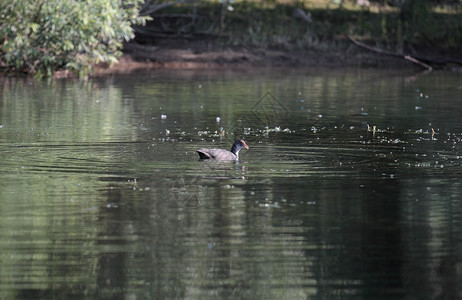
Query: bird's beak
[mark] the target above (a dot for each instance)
(245, 145)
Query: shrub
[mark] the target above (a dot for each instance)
(40, 36)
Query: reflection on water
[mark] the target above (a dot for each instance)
(350, 187)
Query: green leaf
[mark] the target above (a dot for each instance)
(68, 46)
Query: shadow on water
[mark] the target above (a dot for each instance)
(350, 187)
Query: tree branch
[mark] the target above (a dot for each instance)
(428, 67)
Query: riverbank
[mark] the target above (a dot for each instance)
(212, 55)
(248, 35)
(209, 55)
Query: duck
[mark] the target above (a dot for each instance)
(221, 154)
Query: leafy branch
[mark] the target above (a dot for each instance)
(40, 38)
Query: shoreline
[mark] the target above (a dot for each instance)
(209, 55)
(200, 55)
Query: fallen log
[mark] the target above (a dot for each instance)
(423, 61)
(389, 53)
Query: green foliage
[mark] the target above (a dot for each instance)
(42, 36)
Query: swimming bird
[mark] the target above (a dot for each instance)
(221, 154)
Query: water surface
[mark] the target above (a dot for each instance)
(350, 189)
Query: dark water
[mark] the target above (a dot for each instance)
(351, 187)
